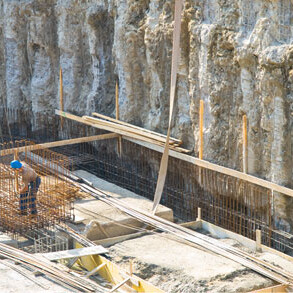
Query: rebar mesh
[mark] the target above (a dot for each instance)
(226, 201)
(53, 199)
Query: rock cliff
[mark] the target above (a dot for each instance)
(235, 55)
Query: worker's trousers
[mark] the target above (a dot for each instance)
(28, 199)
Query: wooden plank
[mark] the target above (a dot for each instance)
(275, 289)
(201, 130)
(244, 147)
(77, 252)
(217, 168)
(192, 225)
(251, 244)
(61, 96)
(119, 141)
(120, 284)
(135, 127)
(95, 270)
(117, 239)
(258, 240)
(121, 132)
(117, 100)
(59, 143)
(124, 128)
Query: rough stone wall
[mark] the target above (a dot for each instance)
(236, 56)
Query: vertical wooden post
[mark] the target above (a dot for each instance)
(16, 173)
(198, 214)
(244, 148)
(130, 268)
(119, 142)
(201, 109)
(258, 240)
(200, 151)
(61, 96)
(117, 100)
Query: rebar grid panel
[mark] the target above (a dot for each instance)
(53, 199)
(39, 127)
(48, 241)
(226, 201)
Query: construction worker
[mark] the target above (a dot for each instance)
(31, 183)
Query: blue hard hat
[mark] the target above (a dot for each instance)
(15, 164)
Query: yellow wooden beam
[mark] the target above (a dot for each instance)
(58, 143)
(119, 141)
(61, 96)
(201, 109)
(244, 147)
(275, 289)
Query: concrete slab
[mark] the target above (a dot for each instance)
(103, 221)
(176, 267)
(5, 239)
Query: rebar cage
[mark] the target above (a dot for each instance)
(53, 199)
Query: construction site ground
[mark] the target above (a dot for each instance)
(159, 258)
(14, 282)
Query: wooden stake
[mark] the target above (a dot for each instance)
(119, 142)
(117, 100)
(61, 96)
(95, 270)
(200, 152)
(201, 109)
(130, 268)
(244, 148)
(198, 214)
(120, 285)
(258, 240)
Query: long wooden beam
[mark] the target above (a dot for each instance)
(125, 128)
(178, 141)
(217, 168)
(58, 143)
(118, 131)
(275, 289)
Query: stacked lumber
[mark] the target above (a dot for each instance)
(64, 278)
(126, 130)
(105, 120)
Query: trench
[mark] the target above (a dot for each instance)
(228, 202)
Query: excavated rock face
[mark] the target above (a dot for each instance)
(235, 55)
